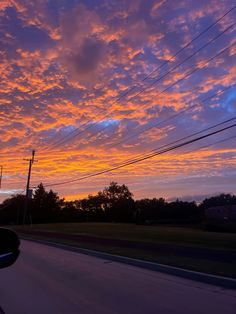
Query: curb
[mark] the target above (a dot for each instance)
(224, 282)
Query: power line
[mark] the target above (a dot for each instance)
(57, 142)
(171, 117)
(185, 137)
(187, 152)
(145, 157)
(178, 81)
(209, 145)
(150, 153)
(218, 142)
(173, 84)
(202, 47)
(186, 59)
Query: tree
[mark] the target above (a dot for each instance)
(11, 210)
(93, 207)
(116, 192)
(184, 212)
(45, 205)
(219, 200)
(150, 210)
(71, 211)
(118, 203)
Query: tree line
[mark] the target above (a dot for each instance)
(114, 204)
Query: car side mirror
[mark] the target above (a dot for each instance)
(9, 247)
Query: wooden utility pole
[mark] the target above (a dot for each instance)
(27, 194)
(1, 167)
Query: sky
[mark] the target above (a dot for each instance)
(92, 84)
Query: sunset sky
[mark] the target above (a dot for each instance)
(89, 85)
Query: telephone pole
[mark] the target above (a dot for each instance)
(1, 167)
(27, 195)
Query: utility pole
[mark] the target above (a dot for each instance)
(1, 167)
(27, 195)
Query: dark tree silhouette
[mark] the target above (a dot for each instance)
(11, 210)
(114, 204)
(149, 210)
(45, 205)
(219, 200)
(118, 203)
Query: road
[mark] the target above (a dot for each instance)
(46, 279)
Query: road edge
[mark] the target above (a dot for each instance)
(223, 282)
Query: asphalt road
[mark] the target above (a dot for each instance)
(46, 279)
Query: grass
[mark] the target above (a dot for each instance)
(162, 234)
(187, 236)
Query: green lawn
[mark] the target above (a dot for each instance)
(158, 234)
(186, 237)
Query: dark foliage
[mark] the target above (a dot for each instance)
(11, 210)
(219, 200)
(114, 204)
(45, 206)
(159, 211)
